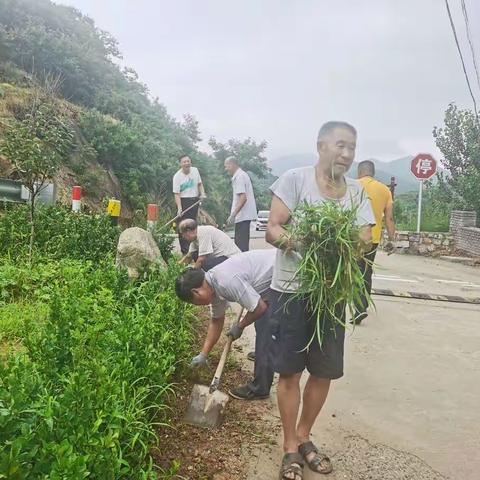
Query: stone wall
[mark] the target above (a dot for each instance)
(424, 243)
(465, 234)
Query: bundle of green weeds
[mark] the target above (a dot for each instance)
(329, 274)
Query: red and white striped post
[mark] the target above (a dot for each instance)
(76, 198)
(152, 216)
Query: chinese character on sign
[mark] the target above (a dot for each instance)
(423, 166)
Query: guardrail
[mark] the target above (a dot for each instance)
(15, 192)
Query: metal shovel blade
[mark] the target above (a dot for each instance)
(206, 409)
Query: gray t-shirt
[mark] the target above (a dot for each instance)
(241, 183)
(212, 241)
(294, 187)
(242, 279)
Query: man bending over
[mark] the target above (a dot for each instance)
(208, 246)
(244, 278)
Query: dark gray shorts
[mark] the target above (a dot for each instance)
(291, 326)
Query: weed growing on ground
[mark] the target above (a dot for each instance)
(83, 397)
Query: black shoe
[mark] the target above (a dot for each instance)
(251, 356)
(357, 319)
(244, 393)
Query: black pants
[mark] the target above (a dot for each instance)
(192, 213)
(242, 235)
(210, 261)
(367, 269)
(263, 371)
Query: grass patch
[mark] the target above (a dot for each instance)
(16, 317)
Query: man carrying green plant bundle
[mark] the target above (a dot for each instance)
(319, 221)
(244, 278)
(208, 246)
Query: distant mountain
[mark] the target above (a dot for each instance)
(400, 169)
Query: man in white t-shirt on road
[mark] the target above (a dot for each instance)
(292, 323)
(209, 246)
(244, 208)
(244, 278)
(187, 189)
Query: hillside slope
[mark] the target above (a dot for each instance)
(98, 182)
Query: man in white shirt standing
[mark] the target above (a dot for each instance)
(187, 189)
(244, 208)
(209, 246)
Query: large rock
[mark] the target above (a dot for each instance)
(136, 251)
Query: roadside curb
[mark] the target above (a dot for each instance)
(427, 296)
(469, 261)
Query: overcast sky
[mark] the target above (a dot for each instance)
(277, 69)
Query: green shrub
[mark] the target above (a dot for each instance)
(15, 316)
(83, 398)
(60, 233)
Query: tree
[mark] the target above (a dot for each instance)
(36, 147)
(459, 142)
(249, 154)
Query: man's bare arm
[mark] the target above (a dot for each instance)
(251, 317)
(201, 190)
(390, 222)
(200, 260)
(279, 216)
(178, 201)
(215, 328)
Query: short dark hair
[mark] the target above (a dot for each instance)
(329, 127)
(187, 281)
(183, 156)
(367, 166)
(187, 225)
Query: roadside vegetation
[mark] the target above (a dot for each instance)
(87, 357)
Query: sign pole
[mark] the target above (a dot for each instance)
(423, 166)
(419, 213)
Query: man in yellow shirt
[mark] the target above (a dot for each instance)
(382, 204)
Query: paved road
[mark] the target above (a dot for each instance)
(408, 406)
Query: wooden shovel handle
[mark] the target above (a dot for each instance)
(184, 211)
(223, 359)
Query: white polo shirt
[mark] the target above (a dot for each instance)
(241, 183)
(187, 184)
(212, 241)
(242, 279)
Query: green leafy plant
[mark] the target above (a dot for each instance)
(83, 397)
(329, 275)
(36, 146)
(60, 233)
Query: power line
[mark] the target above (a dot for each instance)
(463, 62)
(469, 36)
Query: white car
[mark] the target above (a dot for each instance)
(262, 220)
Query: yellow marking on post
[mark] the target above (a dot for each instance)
(114, 207)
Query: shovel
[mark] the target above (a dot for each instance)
(183, 212)
(207, 404)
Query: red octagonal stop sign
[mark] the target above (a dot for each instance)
(423, 166)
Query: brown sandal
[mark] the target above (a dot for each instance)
(292, 463)
(320, 463)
